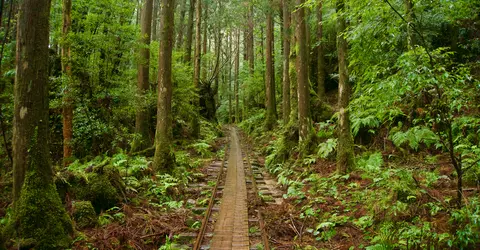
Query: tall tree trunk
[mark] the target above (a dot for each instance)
(292, 72)
(321, 71)
(286, 61)
(270, 74)
(181, 24)
(250, 46)
(38, 210)
(164, 158)
(230, 67)
(197, 63)
(142, 128)
(189, 41)
(154, 25)
(302, 75)
(409, 14)
(67, 110)
(345, 156)
(237, 73)
(205, 41)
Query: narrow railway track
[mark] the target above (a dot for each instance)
(232, 219)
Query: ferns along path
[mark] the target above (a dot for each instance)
(215, 124)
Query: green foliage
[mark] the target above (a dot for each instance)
(202, 148)
(467, 223)
(370, 163)
(326, 148)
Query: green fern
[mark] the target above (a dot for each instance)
(326, 148)
(414, 137)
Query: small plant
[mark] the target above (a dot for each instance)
(253, 230)
(202, 148)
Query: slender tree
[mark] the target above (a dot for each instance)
(237, 74)
(302, 74)
(156, 10)
(163, 158)
(292, 72)
(286, 61)
(409, 14)
(189, 41)
(250, 38)
(321, 71)
(38, 210)
(181, 24)
(345, 156)
(67, 110)
(197, 63)
(271, 115)
(142, 128)
(204, 40)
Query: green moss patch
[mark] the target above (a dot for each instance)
(84, 214)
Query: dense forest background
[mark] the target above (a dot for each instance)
(366, 112)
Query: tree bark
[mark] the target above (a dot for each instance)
(181, 24)
(38, 210)
(250, 45)
(197, 64)
(237, 73)
(286, 61)
(189, 41)
(67, 110)
(230, 67)
(292, 71)
(271, 115)
(156, 7)
(164, 158)
(302, 75)
(205, 41)
(321, 71)
(345, 155)
(409, 18)
(142, 128)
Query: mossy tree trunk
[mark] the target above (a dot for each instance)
(409, 17)
(204, 41)
(142, 128)
(38, 211)
(67, 109)
(164, 158)
(345, 155)
(302, 74)
(321, 71)
(271, 115)
(292, 72)
(197, 64)
(286, 60)
(189, 41)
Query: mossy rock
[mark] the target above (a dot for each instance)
(40, 220)
(321, 111)
(101, 193)
(84, 214)
(102, 186)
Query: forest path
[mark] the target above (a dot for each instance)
(231, 228)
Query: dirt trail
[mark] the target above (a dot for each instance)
(231, 228)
